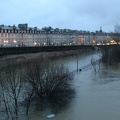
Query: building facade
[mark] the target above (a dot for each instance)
(22, 35)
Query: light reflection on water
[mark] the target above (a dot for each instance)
(98, 95)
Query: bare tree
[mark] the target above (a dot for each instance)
(96, 64)
(28, 97)
(50, 84)
(4, 99)
(111, 54)
(117, 28)
(11, 84)
(117, 32)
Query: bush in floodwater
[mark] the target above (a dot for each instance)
(111, 54)
(48, 85)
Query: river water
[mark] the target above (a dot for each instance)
(97, 95)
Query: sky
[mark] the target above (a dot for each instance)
(88, 15)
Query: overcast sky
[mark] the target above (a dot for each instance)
(86, 15)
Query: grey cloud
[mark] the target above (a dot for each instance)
(77, 14)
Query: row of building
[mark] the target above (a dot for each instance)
(22, 35)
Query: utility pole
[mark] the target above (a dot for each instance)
(77, 62)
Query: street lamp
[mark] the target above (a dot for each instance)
(15, 42)
(35, 43)
(94, 42)
(5, 42)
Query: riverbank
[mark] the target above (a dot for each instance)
(23, 57)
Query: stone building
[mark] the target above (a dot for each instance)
(22, 35)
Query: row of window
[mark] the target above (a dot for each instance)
(54, 36)
(35, 32)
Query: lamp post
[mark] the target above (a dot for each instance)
(77, 62)
(0, 43)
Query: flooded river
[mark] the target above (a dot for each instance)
(97, 95)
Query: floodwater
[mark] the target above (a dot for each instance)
(97, 95)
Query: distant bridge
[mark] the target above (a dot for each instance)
(22, 50)
(107, 46)
(35, 49)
